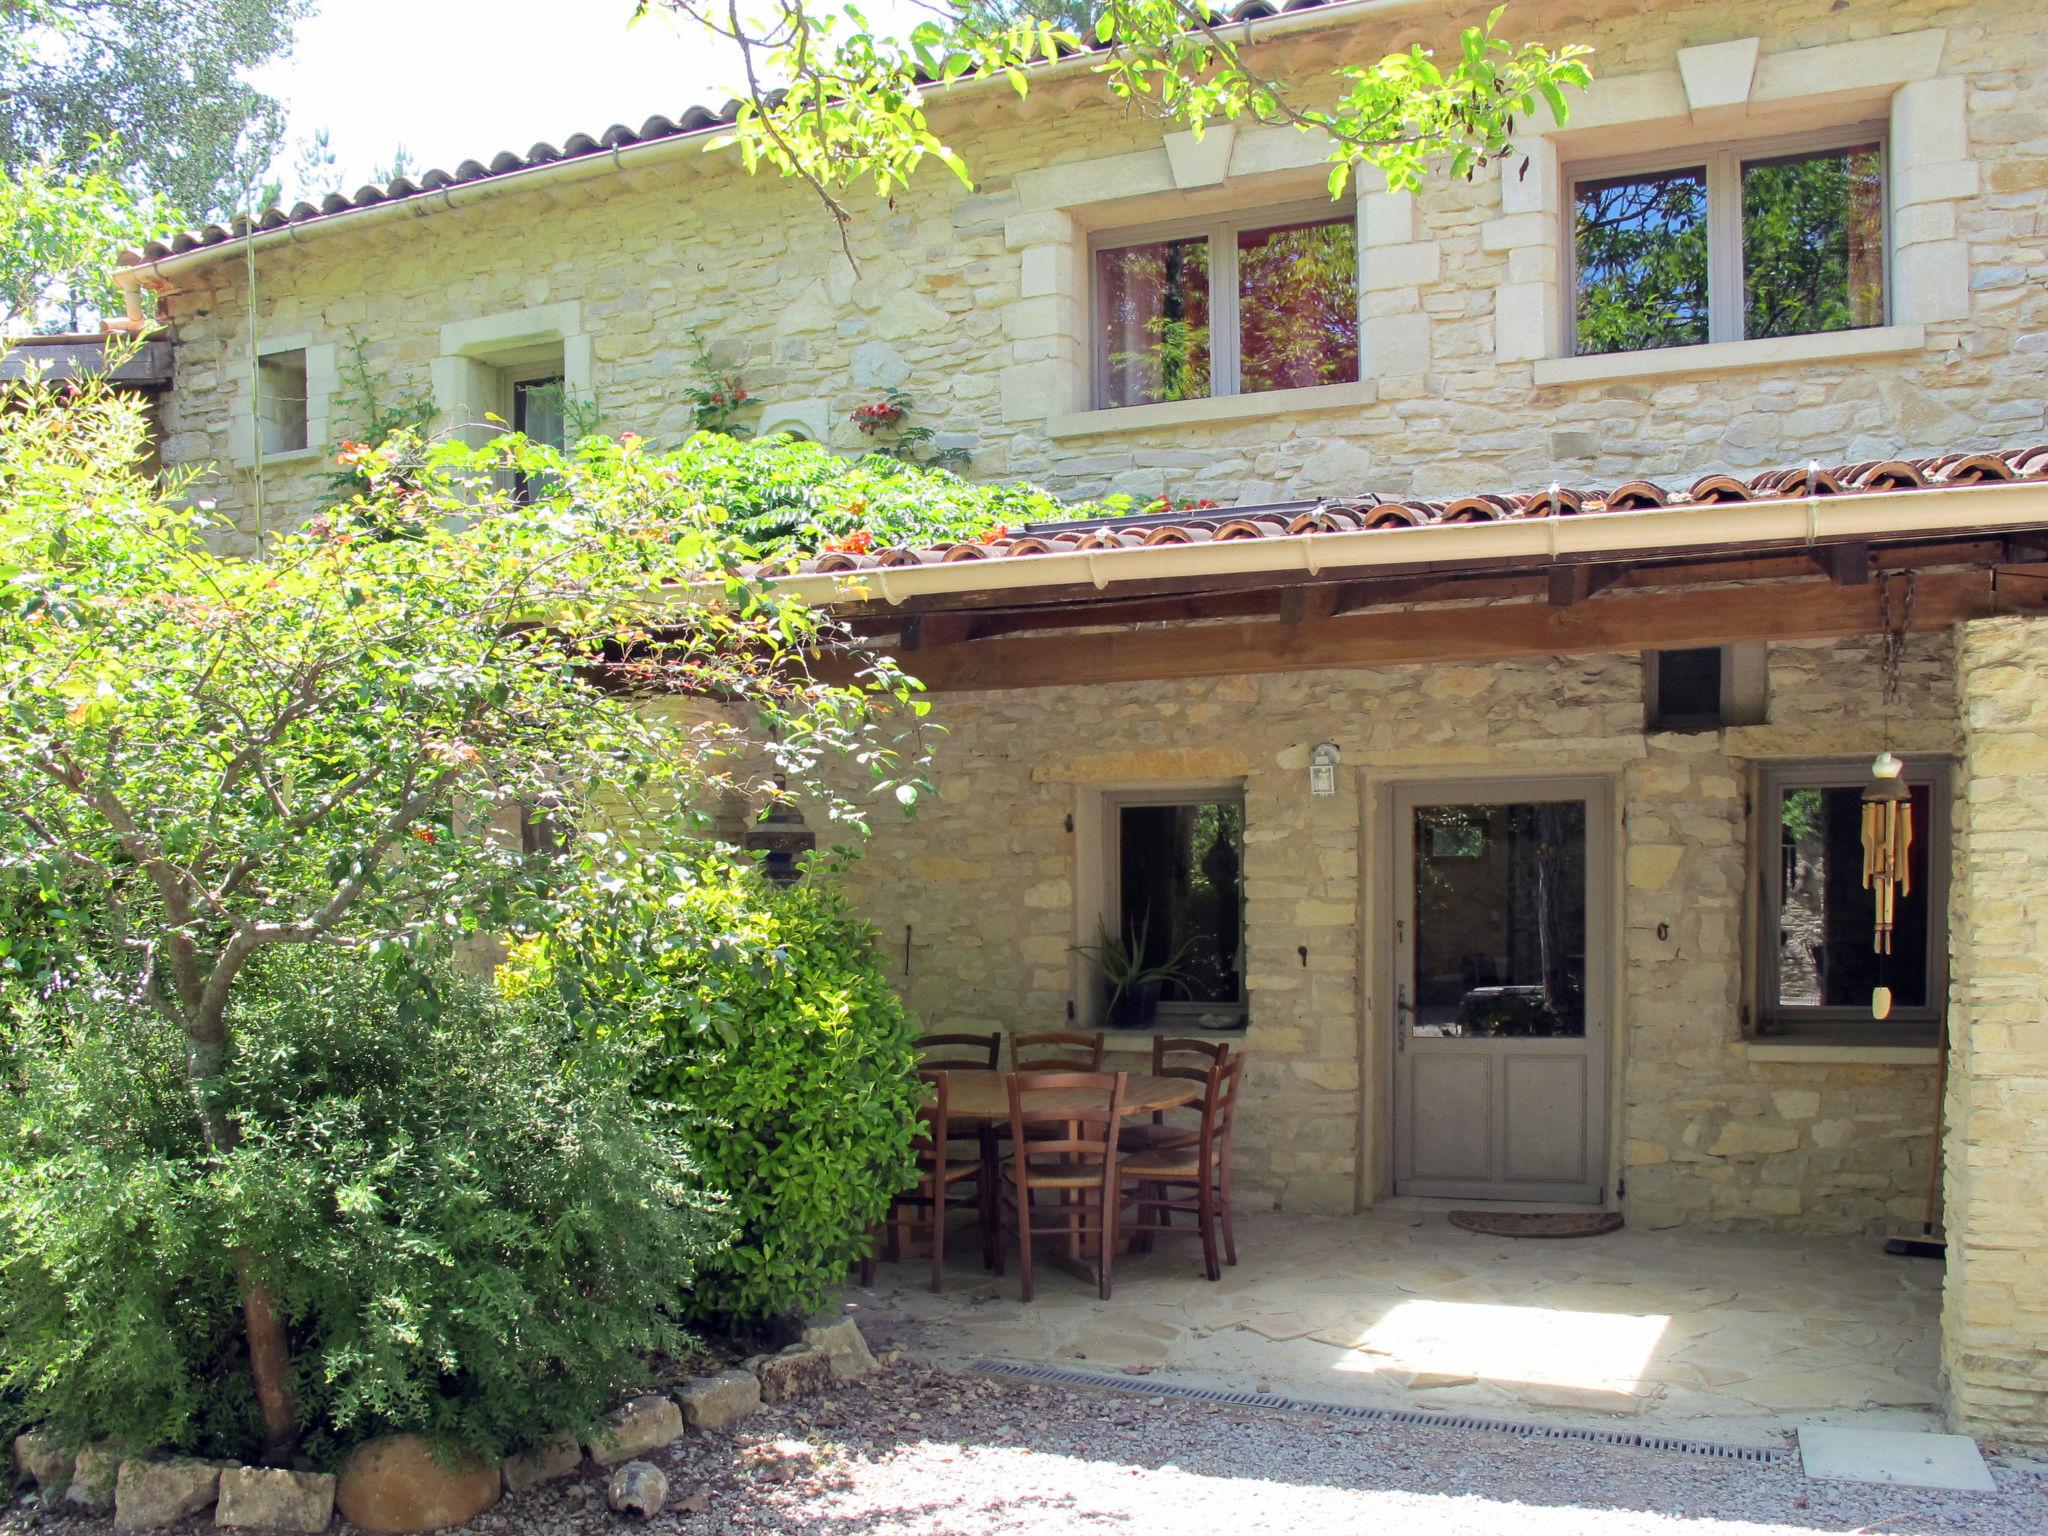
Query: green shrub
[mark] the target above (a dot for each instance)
(474, 1228)
(762, 1017)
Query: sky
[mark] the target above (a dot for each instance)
(462, 79)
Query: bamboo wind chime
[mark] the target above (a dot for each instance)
(1888, 807)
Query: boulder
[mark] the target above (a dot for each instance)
(841, 1340)
(273, 1499)
(644, 1424)
(151, 1494)
(638, 1488)
(712, 1402)
(398, 1484)
(799, 1371)
(41, 1460)
(92, 1479)
(557, 1456)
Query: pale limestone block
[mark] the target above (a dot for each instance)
(1526, 324)
(1045, 226)
(1401, 266)
(1865, 66)
(1718, 75)
(1397, 344)
(1535, 229)
(1931, 282)
(1387, 218)
(1534, 187)
(1930, 124)
(1202, 161)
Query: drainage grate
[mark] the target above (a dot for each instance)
(1053, 1376)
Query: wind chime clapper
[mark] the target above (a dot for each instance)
(1887, 867)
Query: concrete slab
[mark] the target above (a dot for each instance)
(1890, 1456)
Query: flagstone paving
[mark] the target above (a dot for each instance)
(1736, 1334)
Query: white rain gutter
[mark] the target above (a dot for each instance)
(421, 204)
(1945, 511)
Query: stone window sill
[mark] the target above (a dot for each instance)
(1723, 356)
(1217, 408)
(1817, 1053)
(291, 458)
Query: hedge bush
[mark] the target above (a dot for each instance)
(474, 1226)
(761, 1016)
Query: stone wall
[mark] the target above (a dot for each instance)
(968, 299)
(989, 887)
(1995, 1319)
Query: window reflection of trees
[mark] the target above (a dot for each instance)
(1641, 244)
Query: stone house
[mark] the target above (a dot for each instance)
(1538, 564)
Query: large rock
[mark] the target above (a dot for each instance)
(638, 1488)
(841, 1340)
(273, 1499)
(557, 1456)
(150, 1494)
(397, 1485)
(43, 1461)
(93, 1478)
(644, 1424)
(712, 1402)
(799, 1371)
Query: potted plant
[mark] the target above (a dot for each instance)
(1131, 986)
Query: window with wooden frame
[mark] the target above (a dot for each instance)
(1174, 884)
(1817, 964)
(1777, 237)
(1234, 305)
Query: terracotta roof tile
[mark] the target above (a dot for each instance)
(1369, 512)
(695, 119)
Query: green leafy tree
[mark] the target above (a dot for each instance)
(829, 100)
(60, 233)
(167, 75)
(207, 761)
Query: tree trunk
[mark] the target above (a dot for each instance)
(270, 1355)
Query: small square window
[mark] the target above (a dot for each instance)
(281, 401)
(1231, 306)
(1780, 239)
(1703, 688)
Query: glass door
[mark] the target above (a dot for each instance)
(1501, 927)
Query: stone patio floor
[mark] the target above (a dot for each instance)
(1733, 1336)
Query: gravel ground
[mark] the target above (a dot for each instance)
(917, 1451)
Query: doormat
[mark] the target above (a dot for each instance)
(1559, 1224)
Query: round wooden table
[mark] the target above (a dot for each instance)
(984, 1095)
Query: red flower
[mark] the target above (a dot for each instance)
(426, 834)
(858, 542)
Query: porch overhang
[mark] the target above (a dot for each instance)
(1796, 568)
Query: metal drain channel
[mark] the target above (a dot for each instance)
(1053, 1376)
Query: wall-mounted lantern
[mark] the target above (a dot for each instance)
(1322, 769)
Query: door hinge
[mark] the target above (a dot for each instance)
(1070, 821)
(1620, 1190)
(1070, 1010)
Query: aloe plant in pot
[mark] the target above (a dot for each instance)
(1131, 987)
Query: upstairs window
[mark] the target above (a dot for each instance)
(1818, 964)
(1233, 306)
(1779, 239)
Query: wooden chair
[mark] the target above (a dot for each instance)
(1171, 1058)
(1204, 1165)
(1057, 1051)
(941, 1166)
(1063, 1125)
(960, 1053)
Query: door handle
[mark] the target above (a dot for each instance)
(1402, 1010)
